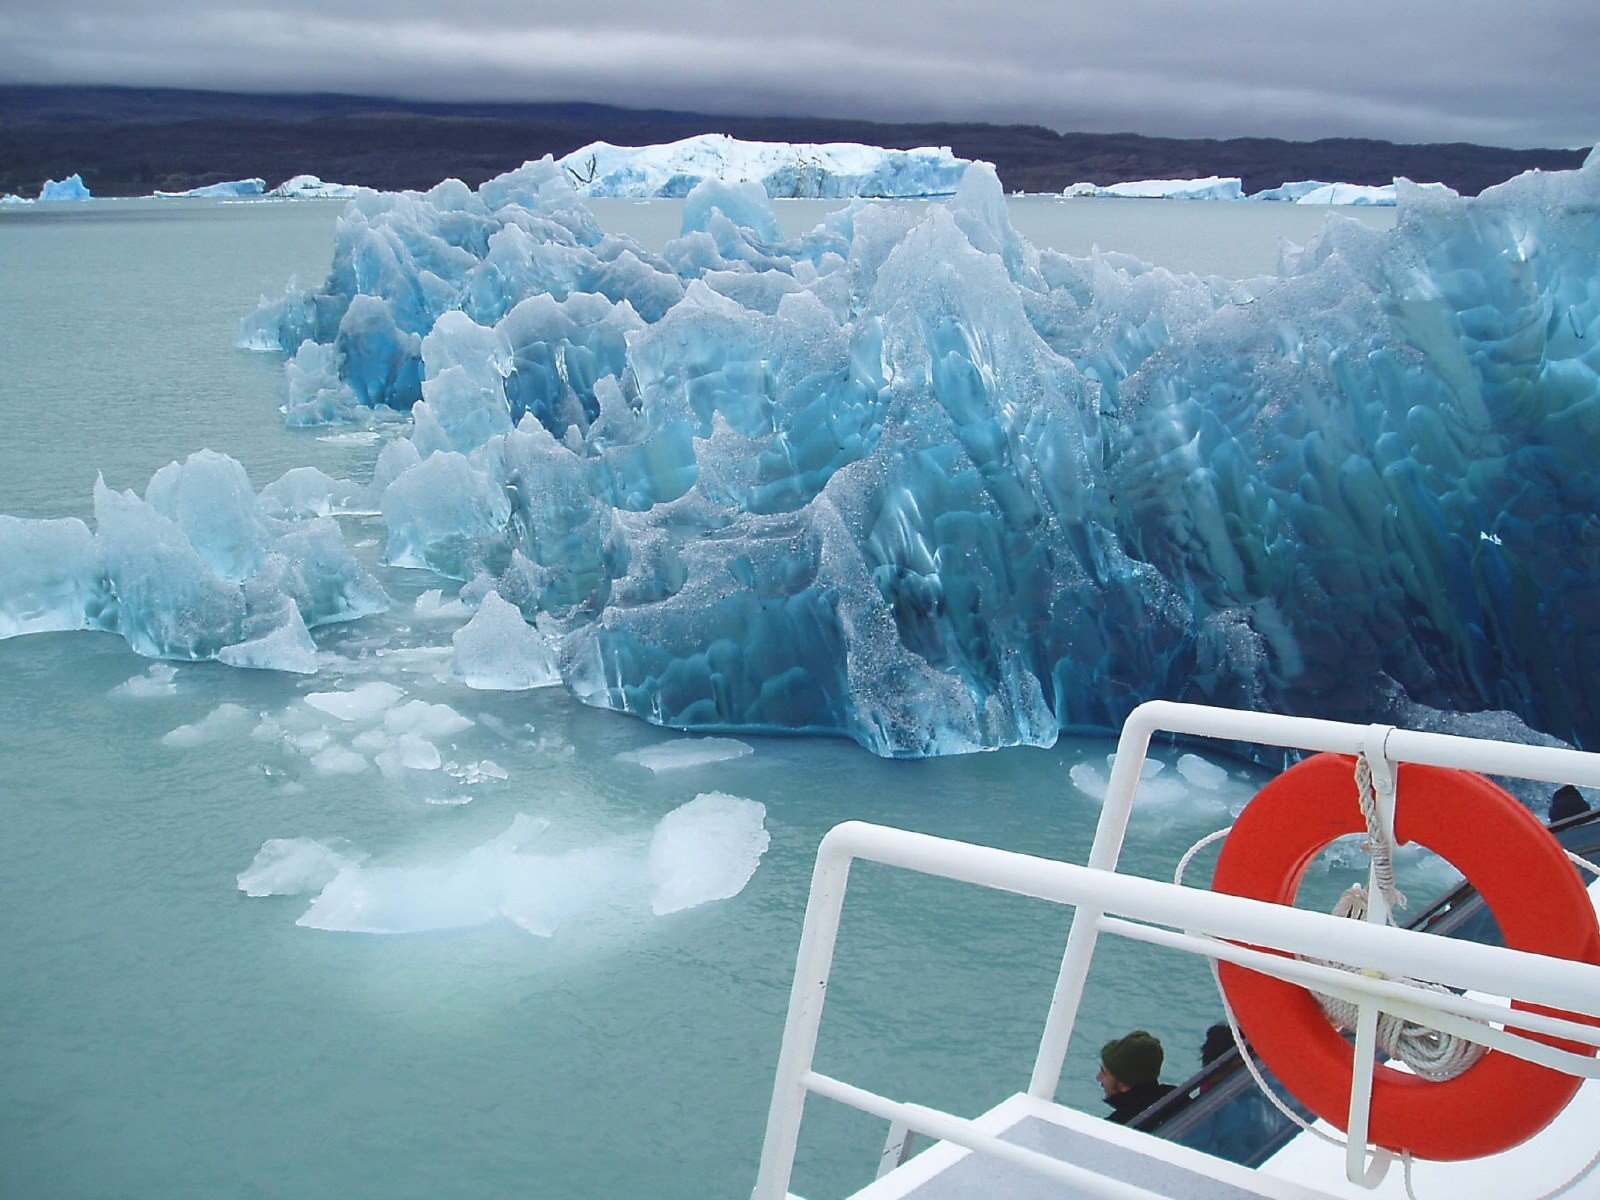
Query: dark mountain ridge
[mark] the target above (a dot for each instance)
(132, 141)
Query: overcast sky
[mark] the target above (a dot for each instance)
(1505, 72)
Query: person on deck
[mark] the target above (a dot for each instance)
(1130, 1075)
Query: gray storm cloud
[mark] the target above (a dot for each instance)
(1421, 70)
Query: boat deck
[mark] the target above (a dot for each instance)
(947, 1172)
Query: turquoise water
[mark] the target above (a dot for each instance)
(166, 1036)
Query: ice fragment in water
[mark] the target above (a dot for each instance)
(336, 760)
(44, 575)
(221, 721)
(1201, 773)
(425, 720)
(293, 867)
(498, 651)
(706, 850)
(432, 606)
(360, 703)
(159, 680)
(687, 752)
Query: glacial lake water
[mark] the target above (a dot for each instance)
(166, 1036)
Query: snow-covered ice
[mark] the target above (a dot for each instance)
(686, 753)
(1211, 187)
(780, 168)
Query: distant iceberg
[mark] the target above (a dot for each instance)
(309, 187)
(910, 480)
(70, 188)
(236, 189)
(1288, 193)
(1384, 195)
(781, 168)
(13, 198)
(1212, 187)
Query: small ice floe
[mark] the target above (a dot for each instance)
(221, 721)
(337, 760)
(293, 867)
(704, 851)
(1201, 772)
(359, 703)
(159, 680)
(355, 437)
(687, 752)
(1093, 782)
(498, 651)
(432, 606)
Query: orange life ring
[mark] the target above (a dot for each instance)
(1533, 891)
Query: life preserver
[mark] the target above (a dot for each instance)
(1533, 891)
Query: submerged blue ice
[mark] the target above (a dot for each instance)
(910, 480)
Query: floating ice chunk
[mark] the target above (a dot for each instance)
(1089, 780)
(498, 651)
(1152, 789)
(293, 867)
(337, 760)
(159, 680)
(287, 648)
(432, 606)
(706, 850)
(1202, 773)
(209, 497)
(687, 752)
(419, 718)
(218, 723)
(557, 888)
(44, 575)
(476, 772)
(360, 703)
(455, 801)
(447, 515)
(408, 753)
(70, 188)
(309, 187)
(302, 493)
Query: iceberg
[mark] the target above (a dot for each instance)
(309, 187)
(1289, 193)
(196, 569)
(70, 188)
(1211, 187)
(498, 651)
(910, 480)
(236, 189)
(1384, 195)
(779, 168)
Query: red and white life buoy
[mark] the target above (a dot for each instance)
(1533, 891)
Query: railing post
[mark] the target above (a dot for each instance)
(1132, 747)
(813, 964)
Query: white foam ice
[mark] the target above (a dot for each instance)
(360, 703)
(221, 721)
(687, 752)
(705, 850)
(293, 867)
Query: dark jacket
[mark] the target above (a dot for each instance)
(1125, 1106)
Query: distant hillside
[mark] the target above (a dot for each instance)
(132, 141)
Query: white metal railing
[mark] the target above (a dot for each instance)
(1201, 922)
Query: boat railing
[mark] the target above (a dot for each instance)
(1381, 964)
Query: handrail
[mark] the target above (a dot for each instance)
(1195, 920)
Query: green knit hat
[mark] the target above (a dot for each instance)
(1134, 1059)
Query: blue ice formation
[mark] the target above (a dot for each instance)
(786, 169)
(197, 569)
(1212, 187)
(234, 189)
(910, 480)
(70, 188)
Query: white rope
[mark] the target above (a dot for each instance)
(1377, 843)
